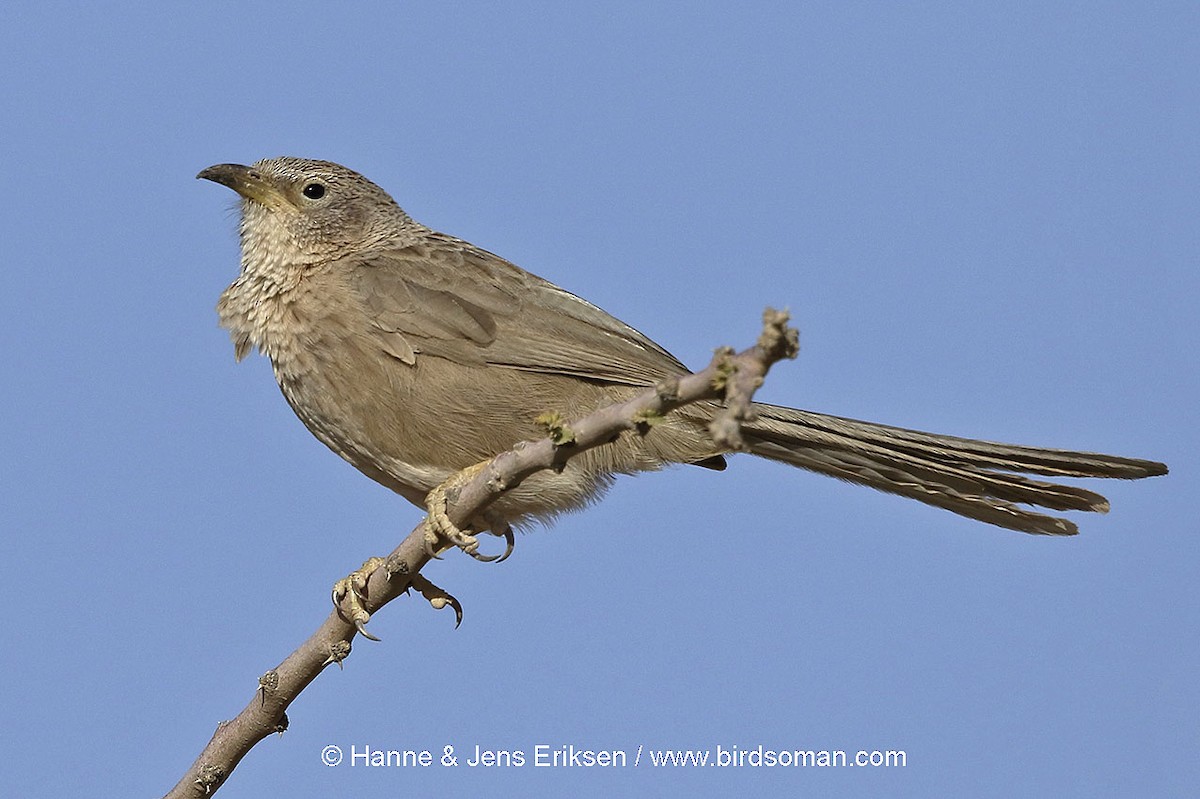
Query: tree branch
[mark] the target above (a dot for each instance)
(731, 378)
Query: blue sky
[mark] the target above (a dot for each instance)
(983, 218)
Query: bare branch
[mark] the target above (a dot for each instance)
(731, 378)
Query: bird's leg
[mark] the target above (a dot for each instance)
(353, 588)
(439, 527)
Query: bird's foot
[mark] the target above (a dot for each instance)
(439, 527)
(352, 589)
(437, 597)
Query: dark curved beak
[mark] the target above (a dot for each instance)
(245, 180)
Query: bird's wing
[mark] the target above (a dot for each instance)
(445, 298)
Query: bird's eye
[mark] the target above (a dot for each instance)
(313, 191)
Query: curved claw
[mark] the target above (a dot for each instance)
(509, 541)
(510, 544)
(360, 625)
(486, 558)
(352, 589)
(440, 602)
(469, 544)
(439, 526)
(438, 598)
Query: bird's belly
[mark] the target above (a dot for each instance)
(410, 427)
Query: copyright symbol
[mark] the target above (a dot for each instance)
(331, 755)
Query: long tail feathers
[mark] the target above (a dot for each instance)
(972, 478)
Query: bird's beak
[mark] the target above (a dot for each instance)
(246, 181)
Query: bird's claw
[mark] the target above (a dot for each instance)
(439, 527)
(510, 541)
(352, 590)
(437, 597)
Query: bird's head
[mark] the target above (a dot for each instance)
(304, 211)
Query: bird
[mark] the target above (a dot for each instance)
(415, 355)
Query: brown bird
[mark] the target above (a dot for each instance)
(415, 355)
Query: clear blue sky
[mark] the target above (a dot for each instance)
(983, 217)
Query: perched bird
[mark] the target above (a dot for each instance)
(415, 355)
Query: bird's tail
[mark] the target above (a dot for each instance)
(972, 478)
